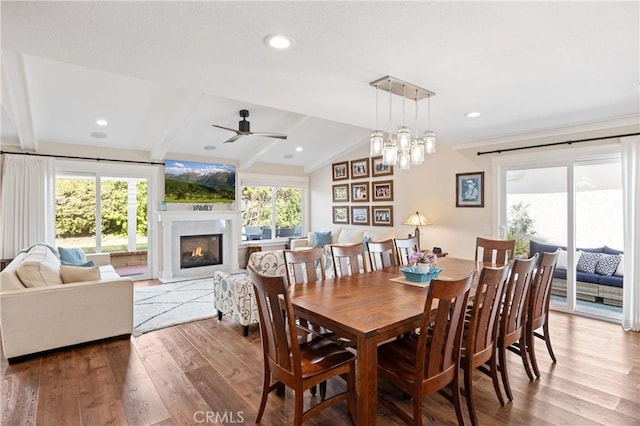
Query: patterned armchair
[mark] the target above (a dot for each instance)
(233, 293)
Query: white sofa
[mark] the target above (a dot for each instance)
(345, 236)
(49, 314)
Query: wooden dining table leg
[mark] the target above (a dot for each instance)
(367, 381)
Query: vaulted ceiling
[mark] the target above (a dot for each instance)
(162, 72)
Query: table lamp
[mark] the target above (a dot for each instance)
(417, 220)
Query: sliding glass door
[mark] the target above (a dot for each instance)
(574, 204)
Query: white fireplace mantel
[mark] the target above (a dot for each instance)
(231, 240)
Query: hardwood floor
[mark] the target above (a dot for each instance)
(206, 372)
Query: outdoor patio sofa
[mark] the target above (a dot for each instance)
(599, 274)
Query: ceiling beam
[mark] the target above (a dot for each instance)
(19, 108)
(253, 159)
(178, 120)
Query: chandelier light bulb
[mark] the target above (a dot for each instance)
(429, 141)
(417, 152)
(376, 142)
(404, 137)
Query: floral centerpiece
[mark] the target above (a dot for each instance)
(422, 261)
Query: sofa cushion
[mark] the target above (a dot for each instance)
(588, 262)
(321, 239)
(76, 274)
(620, 269)
(592, 250)
(268, 262)
(39, 268)
(350, 236)
(607, 264)
(609, 250)
(587, 278)
(611, 280)
(72, 256)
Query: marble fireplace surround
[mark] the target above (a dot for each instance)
(177, 223)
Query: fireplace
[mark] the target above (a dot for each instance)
(200, 250)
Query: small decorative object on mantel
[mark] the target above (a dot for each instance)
(470, 189)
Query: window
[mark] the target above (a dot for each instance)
(272, 207)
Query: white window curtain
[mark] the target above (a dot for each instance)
(27, 203)
(631, 217)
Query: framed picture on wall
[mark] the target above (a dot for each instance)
(360, 168)
(340, 170)
(379, 169)
(470, 189)
(340, 193)
(360, 215)
(341, 215)
(382, 190)
(360, 192)
(382, 215)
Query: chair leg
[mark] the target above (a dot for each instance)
(504, 372)
(417, 410)
(351, 392)
(494, 376)
(297, 419)
(219, 315)
(531, 349)
(457, 403)
(323, 390)
(524, 354)
(245, 330)
(265, 394)
(547, 339)
(468, 393)
(314, 390)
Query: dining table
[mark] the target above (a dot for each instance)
(368, 309)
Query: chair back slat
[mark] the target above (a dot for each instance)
(302, 265)
(438, 348)
(498, 252)
(382, 254)
(277, 322)
(348, 259)
(541, 287)
(405, 247)
(516, 297)
(481, 335)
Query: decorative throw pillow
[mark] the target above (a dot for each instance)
(72, 256)
(620, 269)
(588, 262)
(84, 265)
(321, 239)
(365, 243)
(562, 260)
(607, 264)
(76, 274)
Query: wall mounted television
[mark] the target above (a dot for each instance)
(191, 182)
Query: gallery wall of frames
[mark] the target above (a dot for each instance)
(362, 192)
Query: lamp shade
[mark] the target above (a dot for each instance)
(417, 220)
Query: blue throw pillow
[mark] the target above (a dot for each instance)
(86, 264)
(365, 243)
(72, 256)
(321, 239)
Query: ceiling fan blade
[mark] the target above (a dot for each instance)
(225, 128)
(271, 135)
(233, 138)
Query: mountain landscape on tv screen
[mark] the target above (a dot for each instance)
(190, 182)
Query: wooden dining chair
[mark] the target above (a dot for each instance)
(513, 318)
(290, 363)
(349, 259)
(382, 254)
(498, 252)
(420, 365)
(302, 265)
(481, 328)
(538, 309)
(405, 247)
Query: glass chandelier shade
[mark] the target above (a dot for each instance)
(401, 149)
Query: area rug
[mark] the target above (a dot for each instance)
(165, 305)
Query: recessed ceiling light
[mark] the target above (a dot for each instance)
(299, 149)
(288, 156)
(101, 122)
(98, 135)
(472, 114)
(278, 41)
(210, 147)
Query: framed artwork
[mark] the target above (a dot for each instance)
(360, 192)
(382, 190)
(340, 193)
(340, 170)
(359, 215)
(470, 189)
(382, 215)
(341, 215)
(360, 168)
(379, 169)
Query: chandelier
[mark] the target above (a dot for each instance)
(400, 149)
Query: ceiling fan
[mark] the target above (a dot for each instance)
(244, 129)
